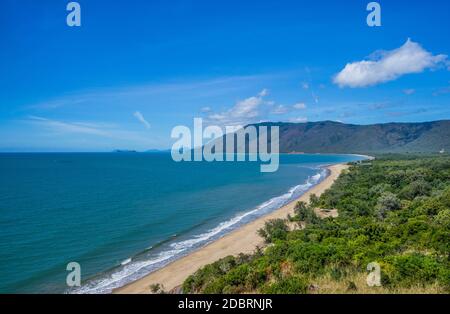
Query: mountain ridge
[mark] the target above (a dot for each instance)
(338, 137)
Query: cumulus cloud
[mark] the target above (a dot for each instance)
(247, 108)
(299, 106)
(264, 92)
(388, 66)
(242, 112)
(280, 109)
(140, 117)
(251, 110)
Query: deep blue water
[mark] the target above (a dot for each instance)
(122, 215)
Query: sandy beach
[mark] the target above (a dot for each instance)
(242, 240)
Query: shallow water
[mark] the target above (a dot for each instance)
(120, 216)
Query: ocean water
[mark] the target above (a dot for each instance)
(123, 215)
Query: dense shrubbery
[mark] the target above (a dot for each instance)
(387, 202)
(306, 213)
(392, 211)
(274, 229)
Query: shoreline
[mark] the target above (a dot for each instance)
(241, 240)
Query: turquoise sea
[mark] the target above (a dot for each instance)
(123, 215)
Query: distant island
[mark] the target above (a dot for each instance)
(124, 151)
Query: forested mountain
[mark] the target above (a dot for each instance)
(335, 137)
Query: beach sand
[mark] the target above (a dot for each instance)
(242, 240)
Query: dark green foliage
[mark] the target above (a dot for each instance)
(157, 288)
(411, 242)
(415, 189)
(351, 286)
(224, 274)
(306, 213)
(290, 285)
(337, 273)
(275, 229)
(313, 200)
(387, 202)
(411, 269)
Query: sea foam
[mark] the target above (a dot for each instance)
(131, 270)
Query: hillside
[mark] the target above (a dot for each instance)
(393, 213)
(335, 137)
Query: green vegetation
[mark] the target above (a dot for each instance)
(394, 211)
(157, 288)
(305, 213)
(274, 229)
(336, 137)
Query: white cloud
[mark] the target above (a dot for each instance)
(389, 65)
(442, 91)
(299, 120)
(299, 106)
(242, 112)
(305, 85)
(140, 117)
(315, 97)
(96, 129)
(264, 92)
(409, 91)
(206, 109)
(280, 109)
(70, 127)
(247, 108)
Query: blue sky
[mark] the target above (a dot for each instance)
(136, 69)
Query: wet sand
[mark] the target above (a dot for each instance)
(242, 240)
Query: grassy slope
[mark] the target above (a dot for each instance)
(394, 211)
